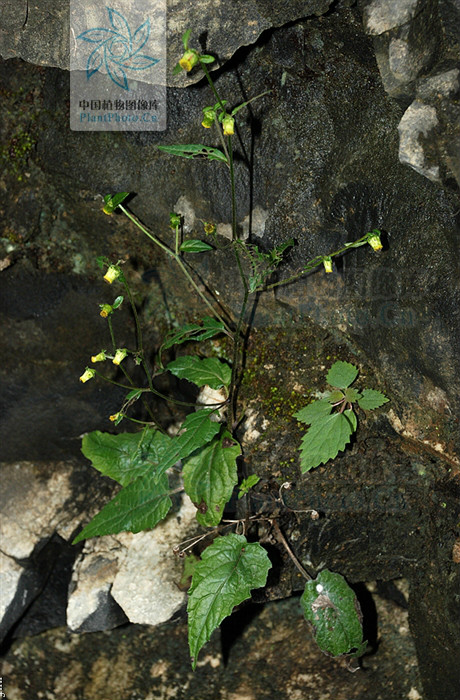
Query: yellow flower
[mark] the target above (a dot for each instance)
(228, 125)
(100, 357)
(188, 60)
(375, 242)
(87, 375)
(119, 356)
(327, 262)
(114, 417)
(106, 310)
(209, 228)
(112, 274)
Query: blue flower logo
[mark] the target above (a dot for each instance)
(118, 49)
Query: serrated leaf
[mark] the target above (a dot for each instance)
(198, 429)
(193, 331)
(341, 374)
(194, 245)
(326, 437)
(230, 568)
(371, 398)
(335, 396)
(194, 150)
(125, 456)
(316, 410)
(209, 370)
(351, 395)
(331, 606)
(138, 506)
(210, 476)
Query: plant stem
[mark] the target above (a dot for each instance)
(179, 262)
(318, 260)
(289, 551)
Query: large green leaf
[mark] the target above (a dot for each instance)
(331, 606)
(325, 438)
(229, 569)
(371, 398)
(126, 456)
(194, 150)
(138, 506)
(198, 429)
(341, 374)
(210, 476)
(209, 370)
(316, 410)
(193, 331)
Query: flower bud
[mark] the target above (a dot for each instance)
(112, 274)
(188, 60)
(174, 219)
(87, 375)
(119, 356)
(228, 125)
(106, 310)
(375, 242)
(100, 357)
(327, 262)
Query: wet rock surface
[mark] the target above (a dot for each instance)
(270, 654)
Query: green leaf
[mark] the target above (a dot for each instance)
(177, 69)
(243, 104)
(210, 371)
(133, 394)
(326, 437)
(113, 201)
(316, 410)
(336, 396)
(126, 456)
(139, 506)
(371, 398)
(118, 302)
(351, 395)
(198, 429)
(229, 569)
(185, 38)
(205, 58)
(210, 475)
(190, 561)
(194, 245)
(341, 374)
(331, 606)
(194, 150)
(247, 484)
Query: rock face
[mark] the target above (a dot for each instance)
(360, 131)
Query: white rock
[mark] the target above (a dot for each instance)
(10, 574)
(417, 120)
(145, 586)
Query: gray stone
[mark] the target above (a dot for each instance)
(146, 585)
(41, 35)
(382, 15)
(90, 606)
(418, 120)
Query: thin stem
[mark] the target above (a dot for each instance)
(213, 87)
(315, 262)
(290, 552)
(173, 255)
